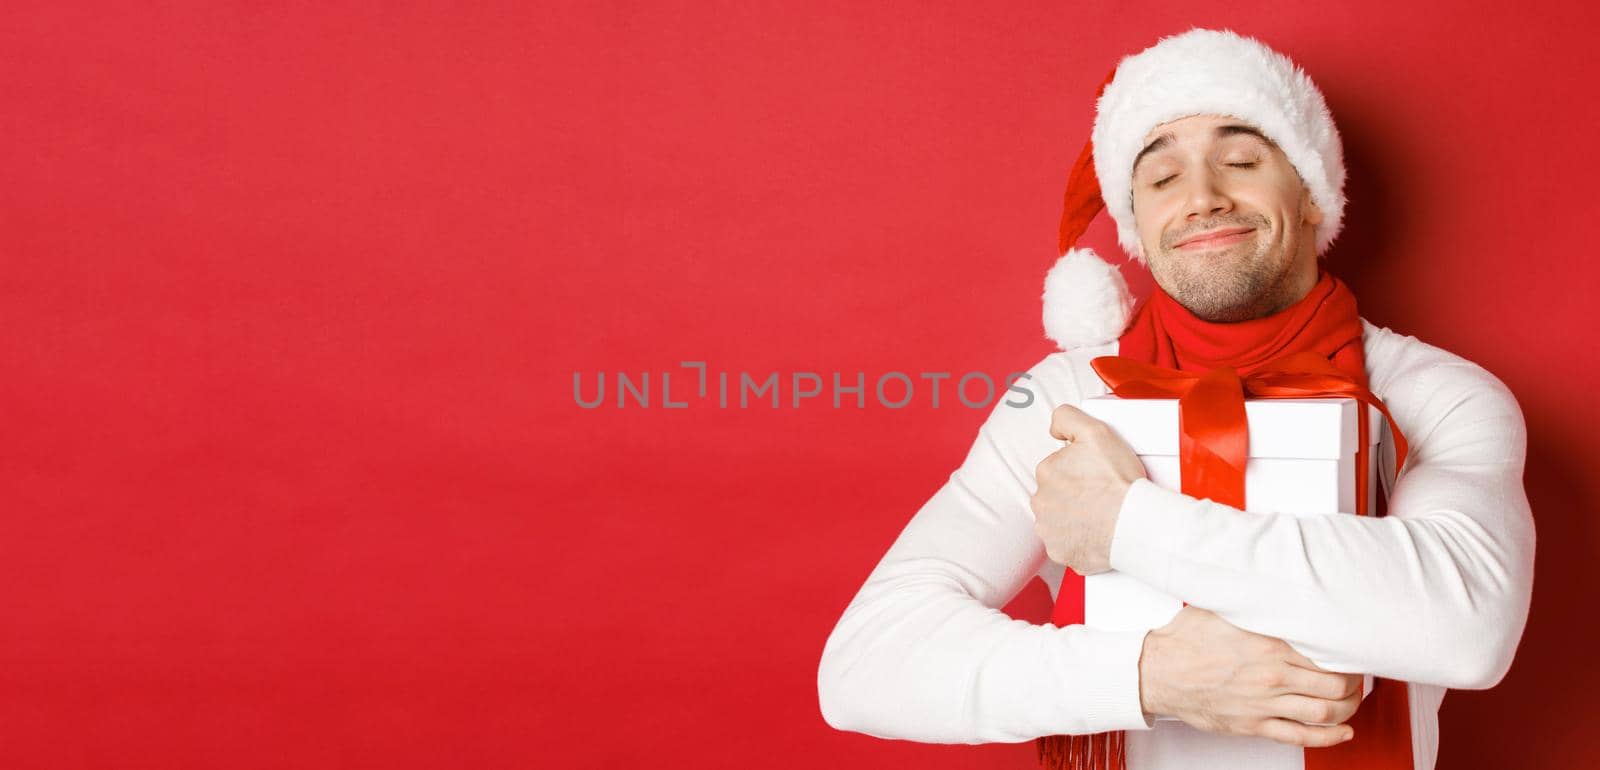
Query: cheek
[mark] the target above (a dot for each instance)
(1150, 215)
(1268, 208)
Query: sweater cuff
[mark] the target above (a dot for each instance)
(1152, 525)
(1110, 684)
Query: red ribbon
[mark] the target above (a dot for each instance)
(1213, 432)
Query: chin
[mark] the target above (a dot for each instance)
(1218, 295)
(1230, 315)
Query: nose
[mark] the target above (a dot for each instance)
(1204, 196)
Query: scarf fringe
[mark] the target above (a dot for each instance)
(1100, 751)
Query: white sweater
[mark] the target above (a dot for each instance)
(1436, 593)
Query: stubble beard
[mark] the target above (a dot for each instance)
(1227, 285)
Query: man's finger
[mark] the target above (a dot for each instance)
(1294, 658)
(1292, 732)
(1314, 711)
(1068, 422)
(1319, 684)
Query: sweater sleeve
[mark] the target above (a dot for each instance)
(1436, 592)
(923, 652)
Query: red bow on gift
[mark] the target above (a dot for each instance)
(1213, 435)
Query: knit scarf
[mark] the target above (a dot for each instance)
(1167, 334)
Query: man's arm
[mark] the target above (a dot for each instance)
(923, 653)
(1437, 592)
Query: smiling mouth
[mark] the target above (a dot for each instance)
(1221, 240)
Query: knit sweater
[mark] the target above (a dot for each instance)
(1435, 593)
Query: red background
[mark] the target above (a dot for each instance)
(292, 473)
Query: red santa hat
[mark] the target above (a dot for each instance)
(1199, 72)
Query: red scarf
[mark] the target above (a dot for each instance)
(1166, 334)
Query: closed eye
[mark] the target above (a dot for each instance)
(1163, 182)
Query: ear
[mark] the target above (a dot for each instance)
(1310, 211)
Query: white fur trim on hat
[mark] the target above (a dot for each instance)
(1205, 72)
(1086, 300)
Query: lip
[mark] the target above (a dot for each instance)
(1215, 238)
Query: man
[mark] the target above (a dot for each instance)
(1222, 168)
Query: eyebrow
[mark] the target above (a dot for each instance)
(1223, 132)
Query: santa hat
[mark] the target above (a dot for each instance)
(1199, 72)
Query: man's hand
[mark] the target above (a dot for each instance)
(1081, 487)
(1223, 679)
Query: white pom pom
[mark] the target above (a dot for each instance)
(1086, 301)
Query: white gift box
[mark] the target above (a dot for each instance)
(1302, 460)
